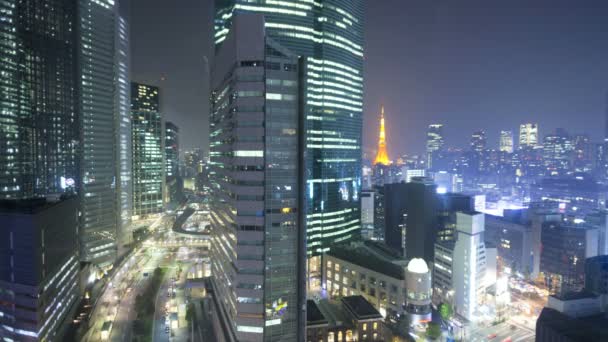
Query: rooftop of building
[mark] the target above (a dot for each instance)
(579, 182)
(30, 206)
(574, 295)
(385, 251)
(603, 259)
(360, 308)
(340, 313)
(591, 328)
(313, 314)
(362, 257)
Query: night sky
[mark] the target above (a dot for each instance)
(469, 64)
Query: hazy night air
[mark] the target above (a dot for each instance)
(450, 63)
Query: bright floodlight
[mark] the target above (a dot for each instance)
(417, 265)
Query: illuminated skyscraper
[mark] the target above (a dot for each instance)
(171, 149)
(256, 186)
(329, 35)
(382, 156)
(528, 135)
(39, 114)
(124, 156)
(148, 151)
(557, 153)
(97, 28)
(478, 141)
(434, 144)
(506, 141)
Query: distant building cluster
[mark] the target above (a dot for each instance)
(308, 239)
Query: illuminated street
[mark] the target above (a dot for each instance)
(180, 255)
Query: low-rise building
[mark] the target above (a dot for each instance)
(351, 319)
(369, 271)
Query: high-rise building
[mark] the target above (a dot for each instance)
(39, 112)
(382, 155)
(478, 141)
(506, 141)
(171, 149)
(528, 135)
(148, 151)
(39, 282)
(258, 248)
(434, 144)
(582, 154)
(368, 206)
(329, 35)
(460, 266)
(124, 181)
(97, 29)
(557, 151)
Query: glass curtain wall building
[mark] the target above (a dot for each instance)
(329, 35)
(148, 151)
(171, 149)
(123, 120)
(39, 124)
(255, 179)
(97, 27)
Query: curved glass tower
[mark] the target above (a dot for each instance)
(329, 34)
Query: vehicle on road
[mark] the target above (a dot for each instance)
(491, 336)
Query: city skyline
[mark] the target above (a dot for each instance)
(437, 67)
(369, 171)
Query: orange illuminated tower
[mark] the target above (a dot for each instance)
(382, 156)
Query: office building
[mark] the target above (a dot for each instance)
(557, 150)
(574, 317)
(124, 148)
(256, 186)
(40, 268)
(395, 201)
(39, 114)
(596, 275)
(447, 206)
(578, 192)
(367, 214)
(382, 155)
(421, 221)
(446, 182)
(582, 154)
(460, 266)
(328, 35)
(193, 163)
(411, 173)
(478, 141)
(506, 142)
(434, 145)
(98, 232)
(599, 219)
(148, 151)
(513, 237)
(419, 291)
(171, 149)
(370, 270)
(528, 135)
(350, 319)
(565, 247)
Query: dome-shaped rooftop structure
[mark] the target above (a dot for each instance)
(417, 265)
